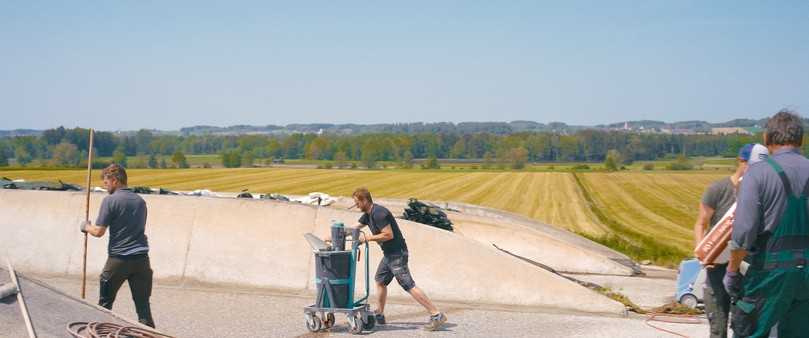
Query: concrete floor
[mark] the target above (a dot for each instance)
(219, 312)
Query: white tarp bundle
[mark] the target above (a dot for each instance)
(202, 192)
(315, 198)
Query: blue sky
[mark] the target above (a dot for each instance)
(122, 65)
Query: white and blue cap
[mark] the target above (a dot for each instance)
(753, 152)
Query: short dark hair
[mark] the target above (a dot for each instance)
(785, 128)
(363, 194)
(115, 171)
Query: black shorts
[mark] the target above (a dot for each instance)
(395, 266)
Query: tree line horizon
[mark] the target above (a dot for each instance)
(61, 147)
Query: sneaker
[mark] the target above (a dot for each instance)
(380, 318)
(436, 321)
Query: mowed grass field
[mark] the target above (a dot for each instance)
(661, 206)
(651, 207)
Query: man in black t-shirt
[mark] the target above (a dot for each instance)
(123, 215)
(385, 231)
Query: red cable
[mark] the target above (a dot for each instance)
(678, 319)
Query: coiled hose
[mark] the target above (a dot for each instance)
(109, 330)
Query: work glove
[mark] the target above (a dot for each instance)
(733, 284)
(83, 226)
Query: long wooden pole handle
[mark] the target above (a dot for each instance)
(87, 214)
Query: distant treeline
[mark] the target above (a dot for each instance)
(497, 128)
(68, 147)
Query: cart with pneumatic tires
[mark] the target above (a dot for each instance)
(335, 277)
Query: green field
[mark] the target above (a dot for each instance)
(648, 215)
(654, 212)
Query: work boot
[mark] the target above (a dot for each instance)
(436, 321)
(380, 318)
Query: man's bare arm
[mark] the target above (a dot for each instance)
(385, 235)
(736, 258)
(705, 214)
(95, 230)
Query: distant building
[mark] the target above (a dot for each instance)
(753, 130)
(729, 131)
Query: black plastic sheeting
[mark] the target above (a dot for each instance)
(273, 196)
(150, 191)
(7, 183)
(427, 213)
(276, 197)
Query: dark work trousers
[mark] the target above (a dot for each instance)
(717, 301)
(138, 272)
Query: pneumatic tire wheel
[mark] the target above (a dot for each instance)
(355, 323)
(689, 300)
(313, 322)
(369, 322)
(328, 320)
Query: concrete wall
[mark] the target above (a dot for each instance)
(556, 248)
(256, 243)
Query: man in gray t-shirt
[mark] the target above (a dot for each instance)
(123, 213)
(720, 196)
(716, 201)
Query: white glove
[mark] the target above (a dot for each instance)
(83, 225)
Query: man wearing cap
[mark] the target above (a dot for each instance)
(123, 212)
(771, 233)
(716, 201)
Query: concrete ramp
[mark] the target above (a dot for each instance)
(259, 243)
(50, 310)
(556, 248)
